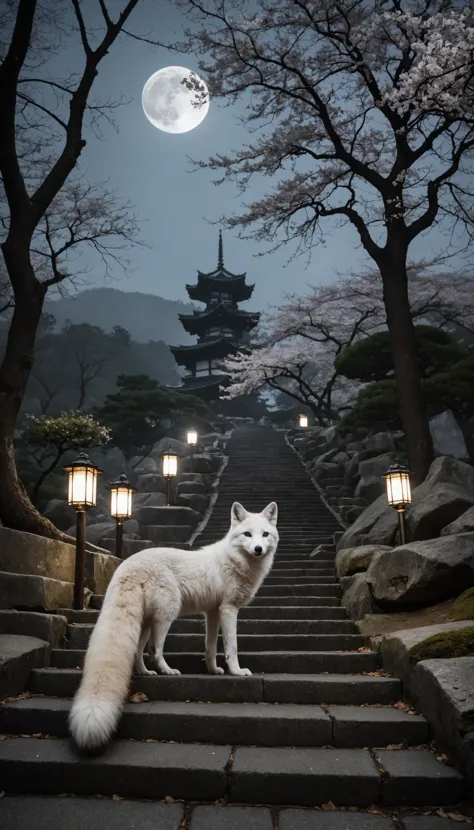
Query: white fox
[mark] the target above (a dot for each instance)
(150, 590)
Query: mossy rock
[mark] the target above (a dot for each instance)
(463, 608)
(458, 643)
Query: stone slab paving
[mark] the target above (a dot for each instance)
(306, 820)
(46, 813)
(231, 818)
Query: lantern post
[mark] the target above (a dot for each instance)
(82, 494)
(192, 439)
(170, 470)
(121, 492)
(397, 481)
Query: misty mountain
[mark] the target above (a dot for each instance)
(145, 316)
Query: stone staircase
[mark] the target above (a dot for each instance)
(311, 727)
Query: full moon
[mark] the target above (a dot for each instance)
(175, 99)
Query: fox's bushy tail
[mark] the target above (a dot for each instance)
(98, 703)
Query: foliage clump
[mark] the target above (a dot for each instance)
(446, 371)
(463, 608)
(48, 438)
(458, 643)
(141, 412)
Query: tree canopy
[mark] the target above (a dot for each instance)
(138, 414)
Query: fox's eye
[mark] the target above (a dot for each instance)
(265, 533)
(247, 533)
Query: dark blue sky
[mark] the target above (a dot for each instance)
(151, 169)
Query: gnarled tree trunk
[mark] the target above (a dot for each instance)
(16, 509)
(405, 359)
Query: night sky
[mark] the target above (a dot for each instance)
(176, 206)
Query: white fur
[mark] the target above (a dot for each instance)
(150, 590)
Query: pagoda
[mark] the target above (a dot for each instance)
(221, 328)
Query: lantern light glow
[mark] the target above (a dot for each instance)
(121, 498)
(192, 437)
(397, 480)
(82, 489)
(303, 421)
(170, 464)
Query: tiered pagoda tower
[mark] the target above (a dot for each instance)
(221, 328)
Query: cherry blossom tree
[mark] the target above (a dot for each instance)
(49, 212)
(359, 112)
(300, 341)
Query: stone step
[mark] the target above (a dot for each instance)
(288, 561)
(296, 599)
(255, 775)
(300, 600)
(309, 589)
(75, 813)
(187, 625)
(293, 573)
(288, 581)
(343, 689)
(251, 612)
(30, 592)
(293, 662)
(79, 638)
(250, 724)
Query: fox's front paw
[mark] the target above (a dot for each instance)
(241, 672)
(214, 670)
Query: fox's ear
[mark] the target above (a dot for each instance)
(271, 512)
(237, 513)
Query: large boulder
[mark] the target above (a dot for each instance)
(375, 466)
(201, 463)
(172, 444)
(357, 599)
(167, 535)
(143, 465)
(448, 437)
(191, 487)
(439, 506)
(464, 524)
(174, 515)
(323, 470)
(351, 561)
(151, 483)
(59, 512)
(446, 493)
(196, 501)
(423, 573)
(382, 442)
(371, 485)
(377, 525)
(96, 532)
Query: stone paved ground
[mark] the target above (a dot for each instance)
(312, 725)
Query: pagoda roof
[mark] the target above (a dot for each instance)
(190, 384)
(220, 280)
(208, 284)
(207, 388)
(212, 349)
(221, 312)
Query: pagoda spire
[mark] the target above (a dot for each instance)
(220, 254)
